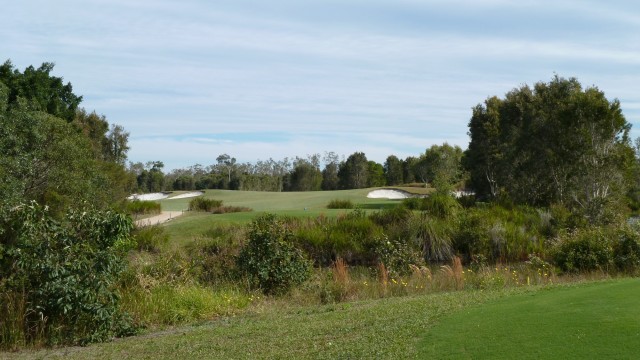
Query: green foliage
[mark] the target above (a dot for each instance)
(44, 92)
(213, 256)
(626, 251)
(354, 172)
(340, 204)
(397, 255)
(203, 204)
(585, 250)
(269, 260)
(440, 166)
(553, 143)
(50, 154)
(64, 273)
(305, 176)
(138, 207)
(151, 238)
(440, 205)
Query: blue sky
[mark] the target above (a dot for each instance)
(192, 79)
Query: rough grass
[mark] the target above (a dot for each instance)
(590, 321)
(388, 328)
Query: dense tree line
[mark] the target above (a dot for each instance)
(439, 165)
(51, 150)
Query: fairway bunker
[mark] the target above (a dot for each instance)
(391, 194)
(161, 196)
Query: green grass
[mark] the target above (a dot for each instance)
(588, 320)
(387, 328)
(188, 227)
(278, 201)
(593, 321)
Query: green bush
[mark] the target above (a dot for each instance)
(269, 260)
(585, 250)
(204, 204)
(397, 255)
(137, 207)
(626, 251)
(230, 209)
(213, 257)
(441, 205)
(340, 204)
(61, 276)
(150, 238)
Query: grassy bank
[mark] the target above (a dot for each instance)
(594, 319)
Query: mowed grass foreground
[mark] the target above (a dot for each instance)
(589, 320)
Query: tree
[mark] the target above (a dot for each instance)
(553, 143)
(330, 180)
(375, 176)
(306, 176)
(442, 166)
(393, 170)
(42, 91)
(228, 162)
(354, 172)
(50, 150)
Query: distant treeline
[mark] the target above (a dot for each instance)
(440, 164)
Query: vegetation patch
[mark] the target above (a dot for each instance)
(139, 207)
(340, 204)
(204, 204)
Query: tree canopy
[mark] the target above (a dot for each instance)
(553, 143)
(52, 151)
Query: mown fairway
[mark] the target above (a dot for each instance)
(591, 321)
(299, 204)
(283, 201)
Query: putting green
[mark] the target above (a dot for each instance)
(588, 321)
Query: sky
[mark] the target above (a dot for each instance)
(193, 79)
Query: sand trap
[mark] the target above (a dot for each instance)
(186, 195)
(390, 194)
(148, 197)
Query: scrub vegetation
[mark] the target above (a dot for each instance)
(297, 244)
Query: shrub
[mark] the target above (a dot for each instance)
(230, 209)
(138, 207)
(61, 276)
(626, 251)
(150, 238)
(213, 257)
(204, 204)
(412, 203)
(584, 250)
(340, 204)
(441, 205)
(398, 256)
(435, 238)
(269, 260)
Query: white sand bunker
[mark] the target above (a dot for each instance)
(148, 197)
(186, 195)
(391, 194)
